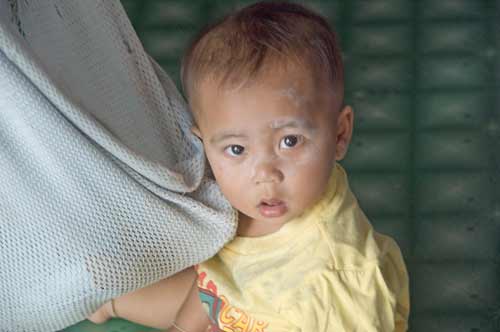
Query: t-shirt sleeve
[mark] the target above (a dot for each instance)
(394, 282)
(372, 299)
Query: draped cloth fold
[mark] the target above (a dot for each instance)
(103, 188)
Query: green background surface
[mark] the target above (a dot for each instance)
(423, 78)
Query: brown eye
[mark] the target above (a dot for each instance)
(235, 150)
(290, 141)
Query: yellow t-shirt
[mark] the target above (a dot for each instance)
(327, 270)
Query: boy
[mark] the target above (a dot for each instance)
(265, 86)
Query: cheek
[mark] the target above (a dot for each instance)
(308, 174)
(221, 170)
(314, 161)
(226, 176)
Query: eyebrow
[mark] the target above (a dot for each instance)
(225, 135)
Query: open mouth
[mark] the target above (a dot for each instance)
(271, 202)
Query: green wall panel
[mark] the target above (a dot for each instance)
(467, 37)
(381, 110)
(380, 10)
(469, 291)
(378, 39)
(456, 238)
(448, 149)
(452, 191)
(454, 9)
(454, 109)
(454, 72)
(382, 150)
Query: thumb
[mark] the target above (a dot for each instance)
(101, 315)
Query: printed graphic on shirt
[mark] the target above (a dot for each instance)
(224, 316)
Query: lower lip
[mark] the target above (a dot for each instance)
(272, 211)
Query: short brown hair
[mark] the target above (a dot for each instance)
(236, 48)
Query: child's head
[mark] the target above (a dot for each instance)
(265, 86)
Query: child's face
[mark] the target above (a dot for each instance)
(272, 144)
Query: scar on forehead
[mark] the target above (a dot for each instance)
(297, 98)
(291, 122)
(280, 123)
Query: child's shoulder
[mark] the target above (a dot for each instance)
(352, 241)
(359, 246)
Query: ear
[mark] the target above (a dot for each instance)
(345, 123)
(196, 131)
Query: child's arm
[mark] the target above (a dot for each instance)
(372, 297)
(159, 304)
(192, 317)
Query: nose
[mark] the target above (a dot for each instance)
(267, 172)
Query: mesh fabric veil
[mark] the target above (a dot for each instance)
(103, 188)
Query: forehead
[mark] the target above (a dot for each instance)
(275, 96)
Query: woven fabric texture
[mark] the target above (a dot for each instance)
(103, 188)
